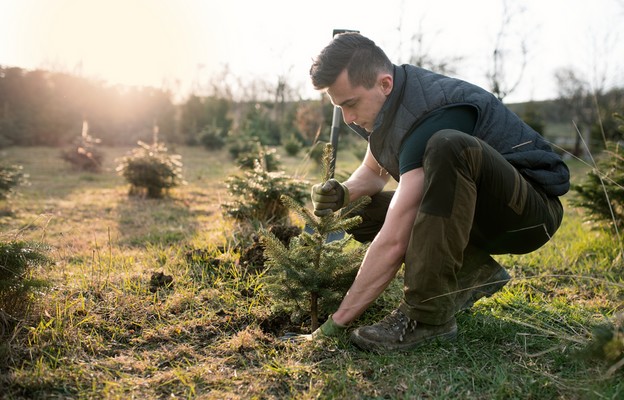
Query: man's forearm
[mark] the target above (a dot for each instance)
(364, 182)
(387, 252)
(374, 276)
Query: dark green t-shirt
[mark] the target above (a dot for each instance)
(461, 118)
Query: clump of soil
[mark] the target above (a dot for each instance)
(278, 324)
(285, 232)
(253, 259)
(160, 280)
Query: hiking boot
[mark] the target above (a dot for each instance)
(493, 284)
(398, 332)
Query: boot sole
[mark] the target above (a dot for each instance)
(369, 345)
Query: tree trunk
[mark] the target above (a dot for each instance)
(314, 310)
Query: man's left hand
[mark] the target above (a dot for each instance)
(328, 329)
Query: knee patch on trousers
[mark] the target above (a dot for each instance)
(448, 153)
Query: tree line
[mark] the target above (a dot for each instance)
(49, 108)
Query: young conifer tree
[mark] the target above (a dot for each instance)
(313, 272)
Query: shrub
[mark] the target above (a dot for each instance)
(256, 195)
(292, 146)
(268, 158)
(602, 191)
(607, 344)
(247, 152)
(11, 176)
(211, 138)
(151, 170)
(85, 155)
(17, 259)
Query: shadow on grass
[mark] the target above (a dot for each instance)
(491, 358)
(163, 221)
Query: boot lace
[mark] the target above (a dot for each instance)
(396, 321)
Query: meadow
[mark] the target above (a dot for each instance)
(103, 329)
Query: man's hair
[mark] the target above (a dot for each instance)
(359, 55)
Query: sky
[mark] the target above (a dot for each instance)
(186, 45)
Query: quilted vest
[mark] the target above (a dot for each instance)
(418, 92)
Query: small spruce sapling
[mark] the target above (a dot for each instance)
(85, 154)
(11, 176)
(601, 193)
(18, 259)
(312, 274)
(256, 195)
(150, 169)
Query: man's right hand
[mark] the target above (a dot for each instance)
(329, 197)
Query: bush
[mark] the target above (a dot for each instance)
(292, 146)
(247, 152)
(268, 158)
(11, 176)
(85, 154)
(607, 344)
(256, 195)
(602, 191)
(17, 259)
(212, 138)
(151, 170)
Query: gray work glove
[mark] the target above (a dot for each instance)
(329, 197)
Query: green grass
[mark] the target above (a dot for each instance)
(100, 330)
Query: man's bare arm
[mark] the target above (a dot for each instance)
(387, 251)
(368, 179)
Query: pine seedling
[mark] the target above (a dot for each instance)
(256, 195)
(601, 193)
(85, 154)
(18, 259)
(11, 176)
(311, 275)
(151, 170)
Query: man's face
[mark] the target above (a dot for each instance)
(360, 105)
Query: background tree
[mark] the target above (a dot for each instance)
(11, 176)
(501, 83)
(419, 47)
(575, 103)
(47, 108)
(601, 193)
(310, 120)
(200, 116)
(150, 169)
(85, 153)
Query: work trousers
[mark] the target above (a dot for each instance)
(475, 204)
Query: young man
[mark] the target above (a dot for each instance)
(473, 180)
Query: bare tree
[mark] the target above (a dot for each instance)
(501, 85)
(420, 49)
(575, 98)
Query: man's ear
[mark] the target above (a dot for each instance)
(386, 82)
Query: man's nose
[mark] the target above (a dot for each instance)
(348, 116)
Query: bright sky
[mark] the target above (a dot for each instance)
(178, 43)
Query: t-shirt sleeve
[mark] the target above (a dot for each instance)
(462, 118)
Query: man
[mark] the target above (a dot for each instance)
(473, 180)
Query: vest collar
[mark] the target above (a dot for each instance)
(384, 119)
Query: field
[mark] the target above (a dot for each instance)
(102, 328)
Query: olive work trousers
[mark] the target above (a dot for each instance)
(475, 204)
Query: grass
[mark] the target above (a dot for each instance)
(102, 330)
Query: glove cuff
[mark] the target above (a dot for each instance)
(345, 199)
(331, 328)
